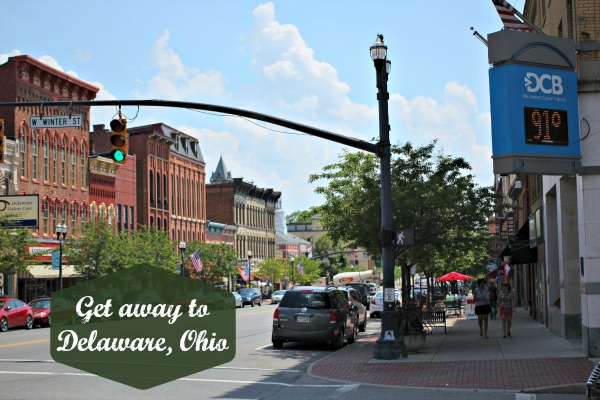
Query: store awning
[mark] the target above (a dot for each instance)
(46, 271)
(518, 249)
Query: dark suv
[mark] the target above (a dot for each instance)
(314, 314)
(364, 290)
(250, 296)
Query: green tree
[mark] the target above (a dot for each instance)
(430, 192)
(302, 216)
(153, 247)
(273, 269)
(218, 262)
(96, 250)
(13, 251)
(330, 255)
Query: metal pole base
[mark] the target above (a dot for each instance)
(390, 345)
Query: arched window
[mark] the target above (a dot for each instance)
(152, 200)
(34, 155)
(166, 199)
(82, 165)
(55, 160)
(46, 211)
(83, 212)
(23, 151)
(159, 192)
(63, 213)
(46, 159)
(63, 161)
(73, 163)
(111, 214)
(102, 215)
(73, 217)
(93, 211)
(54, 215)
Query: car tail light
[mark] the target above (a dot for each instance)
(333, 317)
(276, 315)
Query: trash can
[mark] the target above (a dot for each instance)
(593, 384)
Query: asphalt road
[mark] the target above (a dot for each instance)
(258, 371)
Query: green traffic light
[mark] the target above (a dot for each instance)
(118, 155)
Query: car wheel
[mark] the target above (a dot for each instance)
(242, 306)
(352, 338)
(363, 327)
(3, 325)
(372, 315)
(339, 340)
(29, 323)
(49, 321)
(277, 343)
(260, 303)
(252, 303)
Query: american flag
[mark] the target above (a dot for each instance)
(195, 257)
(300, 269)
(508, 17)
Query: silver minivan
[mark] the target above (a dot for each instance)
(314, 314)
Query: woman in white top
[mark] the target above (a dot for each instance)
(482, 306)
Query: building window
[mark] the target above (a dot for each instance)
(73, 164)
(34, 155)
(93, 211)
(125, 219)
(55, 161)
(102, 215)
(131, 219)
(82, 166)
(23, 150)
(73, 217)
(46, 159)
(83, 212)
(46, 211)
(111, 214)
(54, 215)
(63, 213)
(119, 218)
(63, 160)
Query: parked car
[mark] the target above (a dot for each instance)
(251, 296)
(363, 289)
(238, 299)
(354, 300)
(314, 314)
(14, 313)
(41, 311)
(277, 296)
(377, 303)
(373, 288)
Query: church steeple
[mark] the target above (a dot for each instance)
(221, 173)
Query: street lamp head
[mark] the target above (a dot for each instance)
(61, 229)
(378, 50)
(388, 65)
(182, 246)
(292, 259)
(249, 253)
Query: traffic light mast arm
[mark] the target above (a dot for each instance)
(334, 137)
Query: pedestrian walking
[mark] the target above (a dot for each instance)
(507, 308)
(493, 300)
(482, 307)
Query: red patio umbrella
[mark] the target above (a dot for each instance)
(454, 276)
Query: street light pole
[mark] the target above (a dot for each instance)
(249, 267)
(61, 233)
(182, 246)
(390, 344)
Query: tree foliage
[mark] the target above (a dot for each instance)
(430, 192)
(218, 261)
(302, 216)
(13, 253)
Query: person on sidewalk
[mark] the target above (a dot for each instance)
(493, 300)
(482, 307)
(507, 308)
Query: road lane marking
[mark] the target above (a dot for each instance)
(347, 387)
(2, 346)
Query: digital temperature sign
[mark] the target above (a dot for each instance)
(546, 126)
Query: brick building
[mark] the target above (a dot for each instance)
(49, 156)
(169, 180)
(252, 209)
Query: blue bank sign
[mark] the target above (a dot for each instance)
(535, 119)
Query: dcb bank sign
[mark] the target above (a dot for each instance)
(534, 106)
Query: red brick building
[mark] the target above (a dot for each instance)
(169, 180)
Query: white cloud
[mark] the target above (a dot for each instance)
(4, 57)
(176, 81)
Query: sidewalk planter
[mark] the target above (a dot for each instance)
(412, 328)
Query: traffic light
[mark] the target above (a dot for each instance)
(119, 140)
(1, 140)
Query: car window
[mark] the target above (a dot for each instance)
(314, 300)
(2, 303)
(36, 305)
(247, 291)
(379, 294)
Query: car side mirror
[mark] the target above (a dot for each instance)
(8, 308)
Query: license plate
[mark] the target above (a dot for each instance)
(302, 318)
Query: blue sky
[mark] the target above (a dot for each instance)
(305, 61)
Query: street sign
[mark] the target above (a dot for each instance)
(405, 237)
(56, 121)
(55, 259)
